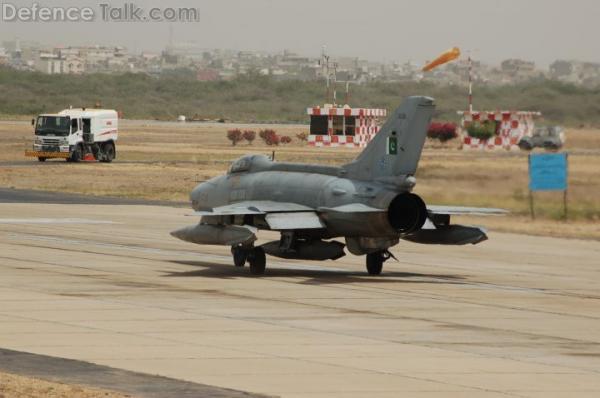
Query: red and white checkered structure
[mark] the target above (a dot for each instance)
(512, 126)
(359, 126)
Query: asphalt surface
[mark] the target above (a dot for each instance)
(83, 373)
(515, 316)
(8, 195)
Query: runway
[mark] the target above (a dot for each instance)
(515, 316)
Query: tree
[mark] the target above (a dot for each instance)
(249, 135)
(285, 139)
(269, 136)
(302, 136)
(235, 136)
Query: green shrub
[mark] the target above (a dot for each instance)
(483, 131)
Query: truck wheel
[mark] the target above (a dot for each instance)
(76, 155)
(109, 152)
(41, 159)
(258, 261)
(525, 146)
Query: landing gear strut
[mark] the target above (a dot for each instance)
(375, 261)
(240, 255)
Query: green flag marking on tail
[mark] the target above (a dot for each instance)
(392, 146)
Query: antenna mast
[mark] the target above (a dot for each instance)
(170, 45)
(470, 84)
(335, 65)
(347, 99)
(325, 66)
(330, 77)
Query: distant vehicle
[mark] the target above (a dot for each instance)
(368, 202)
(547, 137)
(74, 134)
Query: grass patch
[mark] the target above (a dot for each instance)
(256, 98)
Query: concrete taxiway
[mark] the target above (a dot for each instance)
(105, 283)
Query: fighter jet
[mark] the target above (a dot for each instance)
(368, 203)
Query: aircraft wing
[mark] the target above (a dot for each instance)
(351, 208)
(438, 230)
(267, 206)
(280, 216)
(432, 210)
(254, 207)
(296, 220)
(464, 211)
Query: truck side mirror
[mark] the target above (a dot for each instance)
(33, 122)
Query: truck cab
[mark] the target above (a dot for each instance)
(76, 134)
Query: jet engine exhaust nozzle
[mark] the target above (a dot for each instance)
(407, 213)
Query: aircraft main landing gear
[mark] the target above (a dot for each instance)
(375, 261)
(255, 256)
(257, 260)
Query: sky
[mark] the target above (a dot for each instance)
(377, 30)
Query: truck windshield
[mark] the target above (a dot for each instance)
(53, 125)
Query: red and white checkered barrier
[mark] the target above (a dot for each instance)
(512, 127)
(366, 126)
(333, 140)
(360, 112)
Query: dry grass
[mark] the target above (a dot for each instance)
(583, 139)
(13, 386)
(165, 161)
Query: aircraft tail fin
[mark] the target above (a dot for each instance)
(396, 149)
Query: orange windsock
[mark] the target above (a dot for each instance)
(445, 57)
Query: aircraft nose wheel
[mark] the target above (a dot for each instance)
(257, 261)
(375, 262)
(239, 256)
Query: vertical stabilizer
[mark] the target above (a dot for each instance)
(396, 149)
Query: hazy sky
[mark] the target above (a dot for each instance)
(380, 30)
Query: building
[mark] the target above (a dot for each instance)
(207, 75)
(79, 60)
(510, 127)
(73, 64)
(576, 72)
(49, 63)
(4, 58)
(334, 126)
(517, 70)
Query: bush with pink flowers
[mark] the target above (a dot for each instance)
(442, 131)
